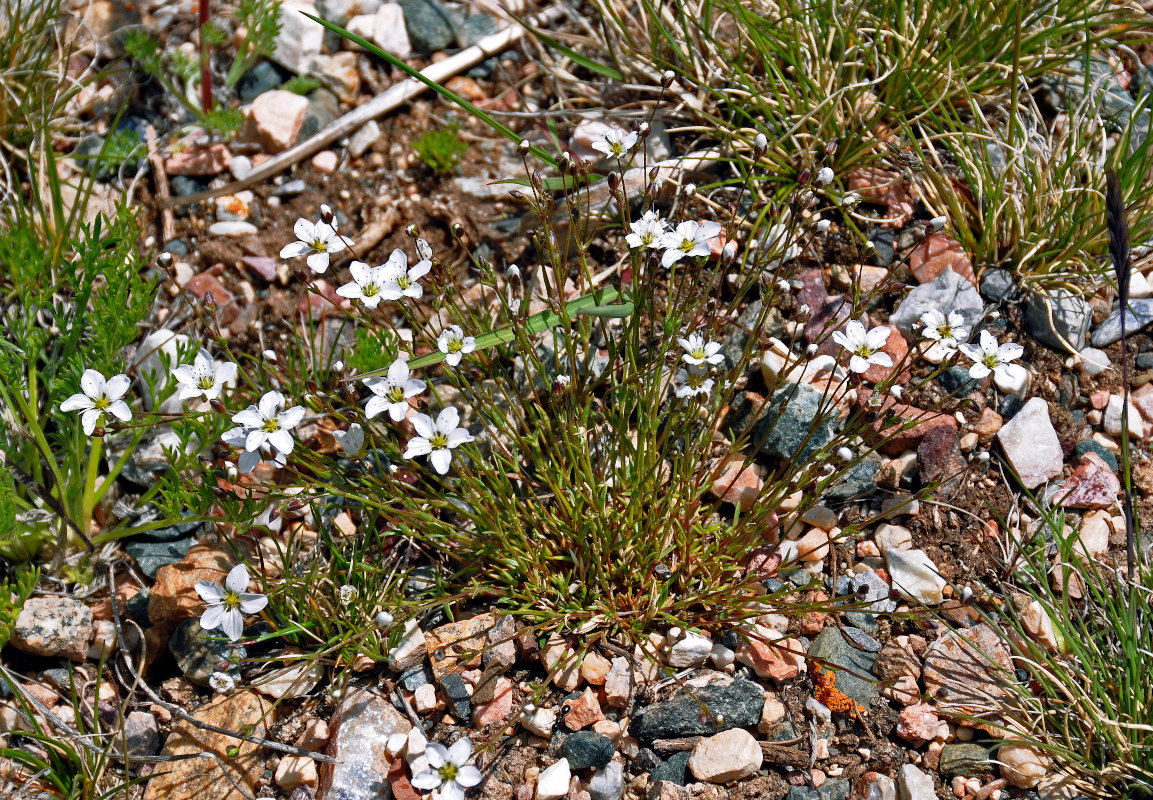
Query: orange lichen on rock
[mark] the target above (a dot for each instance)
(827, 693)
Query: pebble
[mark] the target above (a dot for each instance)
(1093, 485)
(141, 734)
(496, 710)
(199, 160)
(1093, 535)
(1093, 361)
(1059, 319)
(913, 784)
(607, 783)
(1031, 444)
(771, 655)
(739, 483)
(583, 711)
(1022, 766)
(831, 649)
(53, 626)
(1138, 315)
(690, 651)
(963, 760)
(875, 786)
(295, 771)
(727, 756)
(553, 783)
(959, 676)
(587, 750)
(300, 39)
(947, 291)
(361, 725)
(915, 576)
(424, 699)
(325, 161)
(458, 645)
(540, 721)
(918, 724)
(619, 683)
(936, 253)
(893, 537)
(410, 650)
(232, 228)
(275, 118)
(1112, 421)
(199, 653)
(738, 705)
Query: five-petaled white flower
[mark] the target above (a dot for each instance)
(351, 441)
(99, 398)
(316, 240)
(221, 682)
(203, 376)
(392, 391)
(367, 284)
(698, 351)
(437, 439)
(693, 381)
(689, 239)
(267, 423)
(448, 770)
(402, 280)
(647, 231)
(991, 357)
(948, 329)
(237, 437)
(228, 604)
(864, 346)
(453, 343)
(616, 142)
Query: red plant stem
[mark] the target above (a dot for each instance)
(205, 66)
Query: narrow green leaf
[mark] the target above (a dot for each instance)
(593, 66)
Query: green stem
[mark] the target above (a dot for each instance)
(90, 499)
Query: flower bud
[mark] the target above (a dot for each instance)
(325, 214)
(457, 230)
(164, 260)
(270, 355)
(689, 189)
(831, 147)
(804, 176)
(300, 275)
(209, 303)
(729, 251)
(564, 163)
(936, 223)
(614, 180)
(412, 231)
(667, 78)
(383, 620)
(217, 406)
(644, 129)
(850, 200)
(538, 180)
(523, 147)
(760, 145)
(653, 173)
(823, 225)
(824, 176)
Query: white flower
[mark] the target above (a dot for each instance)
(382, 619)
(203, 376)
(693, 381)
(864, 346)
(761, 142)
(228, 604)
(850, 200)
(400, 279)
(424, 250)
(647, 231)
(437, 439)
(448, 770)
(689, 239)
(948, 329)
(825, 176)
(346, 593)
(99, 398)
(823, 225)
(991, 357)
(221, 682)
(317, 241)
(616, 142)
(250, 458)
(350, 441)
(453, 343)
(367, 284)
(392, 391)
(698, 351)
(267, 423)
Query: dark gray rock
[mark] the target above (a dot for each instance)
(672, 769)
(803, 793)
(947, 292)
(861, 481)
(831, 648)
(323, 109)
(861, 640)
(182, 185)
(151, 556)
(455, 693)
(737, 705)
(793, 424)
(956, 380)
(884, 251)
(1089, 446)
(1144, 361)
(416, 677)
(998, 286)
(431, 25)
(1059, 319)
(587, 750)
(290, 188)
(1138, 316)
(785, 731)
(141, 734)
(834, 789)
(181, 530)
(199, 653)
(964, 758)
(264, 77)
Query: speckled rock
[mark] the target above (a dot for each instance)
(739, 704)
(962, 672)
(359, 729)
(54, 626)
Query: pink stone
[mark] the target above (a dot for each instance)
(200, 286)
(324, 301)
(1099, 399)
(595, 668)
(918, 723)
(583, 711)
(496, 710)
(619, 683)
(939, 252)
(275, 118)
(1142, 400)
(764, 562)
(325, 161)
(773, 660)
(738, 483)
(263, 266)
(200, 160)
(1092, 485)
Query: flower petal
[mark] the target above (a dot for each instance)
(460, 751)
(282, 440)
(251, 603)
(233, 624)
(374, 406)
(212, 617)
(304, 230)
(116, 386)
(318, 262)
(418, 446)
(237, 580)
(88, 420)
(92, 382)
(437, 755)
(120, 410)
(447, 420)
(77, 402)
(270, 404)
(294, 250)
(209, 591)
(424, 425)
(441, 460)
(458, 437)
(291, 417)
(426, 781)
(469, 776)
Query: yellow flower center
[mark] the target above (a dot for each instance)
(687, 245)
(205, 382)
(369, 289)
(270, 425)
(102, 403)
(455, 345)
(319, 246)
(438, 441)
(395, 393)
(231, 600)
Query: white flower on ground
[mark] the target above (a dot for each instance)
(204, 376)
(693, 381)
(367, 284)
(250, 458)
(437, 439)
(228, 604)
(948, 329)
(448, 770)
(351, 441)
(994, 358)
(616, 142)
(267, 423)
(864, 346)
(98, 398)
(698, 351)
(647, 231)
(402, 280)
(315, 240)
(453, 343)
(850, 200)
(221, 682)
(689, 239)
(346, 593)
(392, 391)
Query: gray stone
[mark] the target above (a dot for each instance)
(831, 648)
(1138, 316)
(416, 677)
(1090, 446)
(998, 286)
(803, 793)
(151, 556)
(587, 750)
(53, 626)
(182, 185)
(360, 726)
(947, 292)
(300, 39)
(912, 784)
(323, 109)
(964, 758)
(341, 11)
(141, 734)
(264, 77)
(861, 481)
(290, 188)
(431, 25)
(1031, 445)
(834, 789)
(364, 138)
(199, 653)
(956, 380)
(1059, 319)
(171, 533)
(737, 705)
(672, 769)
(456, 694)
(871, 588)
(861, 640)
(607, 783)
(795, 423)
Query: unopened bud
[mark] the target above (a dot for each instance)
(273, 514)
(614, 180)
(424, 250)
(523, 147)
(383, 620)
(412, 231)
(689, 189)
(300, 275)
(209, 302)
(513, 272)
(831, 147)
(803, 313)
(823, 225)
(217, 406)
(667, 78)
(270, 355)
(644, 129)
(325, 214)
(457, 230)
(936, 223)
(729, 251)
(967, 594)
(294, 506)
(564, 163)
(760, 145)
(653, 173)
(805, 175)
(164, 260)
(824, 176)
(538, 180)
(850, 200)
